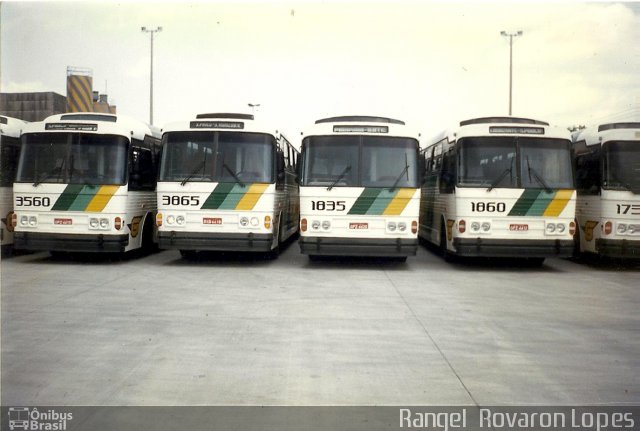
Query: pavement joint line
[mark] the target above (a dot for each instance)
(426, 331)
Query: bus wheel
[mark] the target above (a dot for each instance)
(534, 262)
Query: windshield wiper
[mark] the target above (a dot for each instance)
(199, 166)
(395, 183)
(341, 176)
(537, 177)
(499, 179)
(47, 175)
(234, 175)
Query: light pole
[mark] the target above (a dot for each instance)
(511, 36)
(253, 107)
(151, 31)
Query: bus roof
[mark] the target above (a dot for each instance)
(361, 125)
(93, 122)
(628, 131)
(10, 126)
(500, 126)
(227, 122)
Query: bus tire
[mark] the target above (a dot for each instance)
(188, 254)
(146, 243)
(534, 262)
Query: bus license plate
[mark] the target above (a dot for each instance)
(63, 221)
(519, 227)
(211, 220)
(358, 225)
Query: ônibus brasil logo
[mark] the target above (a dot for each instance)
(25, 418)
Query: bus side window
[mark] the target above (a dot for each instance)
(280, 166)
(9, 160)
(448, 172)
(588, 172)
(142, 173)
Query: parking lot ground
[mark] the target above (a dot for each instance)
(244, 330)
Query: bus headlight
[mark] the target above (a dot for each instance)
(315, 225)
(33, 221)
(475, 226)
(104, 223)
(171, 219)
(391, 226)
(486, 226)
(244, 221)
(180, 220)
(402, 226)
(255, 221)
(94, 223)
(561, 227)
(622, 228)
(634, 228)
(550, 228)
(326, 225)
(24, 220)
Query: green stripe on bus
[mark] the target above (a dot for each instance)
(382, 202)
(67, 197)
(364, 201)
(217, 196)
(524, 202)
(541, 203)
(234, 196)
(83, 198)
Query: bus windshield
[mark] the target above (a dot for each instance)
(360, 161)
(622, 165)
(217, 157)
(515, 163)
(73, 158)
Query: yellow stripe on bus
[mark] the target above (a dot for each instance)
(399, 202)
(558, 203)
(102, 198)
(251, 197)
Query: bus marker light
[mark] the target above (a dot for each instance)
(462, 226)
(572, 228)
(14, 220)
(303, 225)
(159, 219)
(607, 228)
(414, 227)
(267, 222)
(117, 223)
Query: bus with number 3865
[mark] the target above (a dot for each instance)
(227, 183)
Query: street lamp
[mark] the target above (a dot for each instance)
(253, 107)
(151, 31)
(511, 36)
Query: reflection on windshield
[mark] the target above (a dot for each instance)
(384, 162)
(622, 165)
(217, 157)
(515, 163)
(73, 158)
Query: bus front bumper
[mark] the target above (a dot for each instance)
(487, 247)
(40, 241)
(383, 247)
(622, 248)
(215, 241)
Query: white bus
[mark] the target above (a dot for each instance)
(359, 190)
(86, 183)
(499, 187)
(227, 183)
(608, 184)
(10, 129)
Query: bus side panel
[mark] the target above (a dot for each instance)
(6, 207)
(139, 205)
(589, 217)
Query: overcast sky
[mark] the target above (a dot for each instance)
(429, 63)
